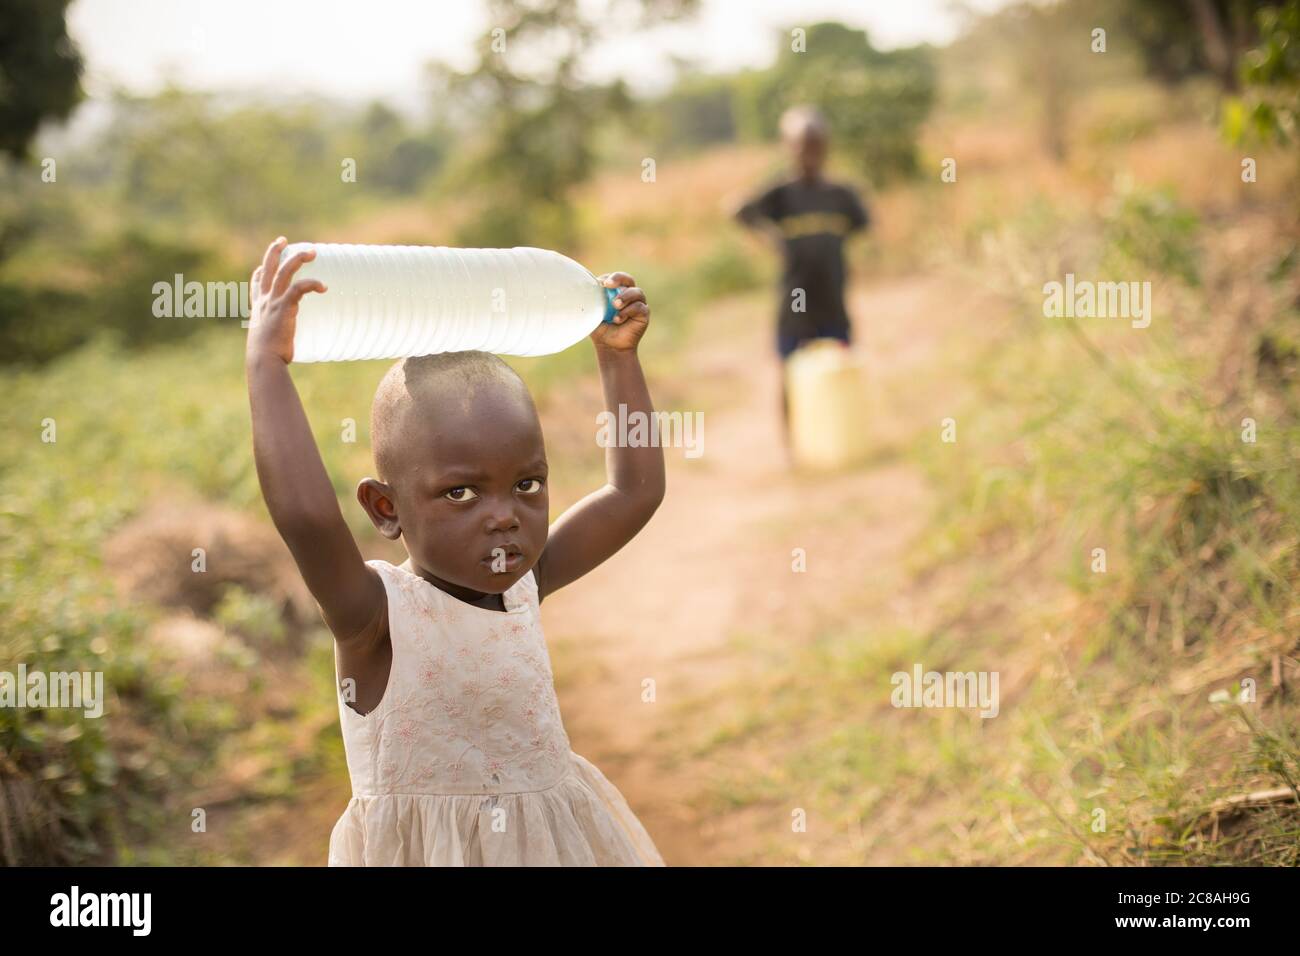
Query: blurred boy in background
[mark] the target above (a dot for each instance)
(810, 217)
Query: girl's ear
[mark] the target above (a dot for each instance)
(377, 499)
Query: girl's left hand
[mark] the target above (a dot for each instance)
(631, 320)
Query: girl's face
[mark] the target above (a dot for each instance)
(471, 498)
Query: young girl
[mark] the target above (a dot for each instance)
(455, 746)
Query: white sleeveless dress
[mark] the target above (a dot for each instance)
(465, 762)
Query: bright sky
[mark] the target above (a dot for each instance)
(377, 48)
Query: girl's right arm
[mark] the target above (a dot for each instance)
(295, 485)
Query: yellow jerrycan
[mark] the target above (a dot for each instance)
(826, 384)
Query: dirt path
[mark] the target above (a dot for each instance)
(715, 564)
(716, 559)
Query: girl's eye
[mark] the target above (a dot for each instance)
(461, 494)
(529, 486)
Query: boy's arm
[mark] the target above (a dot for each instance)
(759, 213)
(601, 523)
(757, 209)
(859, 216)
(295, 485)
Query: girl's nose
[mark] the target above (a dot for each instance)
(502, 517)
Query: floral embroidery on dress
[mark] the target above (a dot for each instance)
(459, 716)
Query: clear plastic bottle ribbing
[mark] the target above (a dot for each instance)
(387, 302)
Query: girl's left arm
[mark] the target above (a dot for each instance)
(600, 524)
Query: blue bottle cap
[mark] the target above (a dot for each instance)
(610, 311)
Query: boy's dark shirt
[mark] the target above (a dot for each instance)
(814, 219)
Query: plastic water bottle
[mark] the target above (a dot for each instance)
(387, 302)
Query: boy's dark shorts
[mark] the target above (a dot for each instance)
(787, 342)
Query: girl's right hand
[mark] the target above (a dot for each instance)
(274, 305)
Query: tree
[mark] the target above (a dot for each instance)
(1177, 39)
(395, 158)
(875, 101)
(699, 110)
(532, 115)
(40, 71)
(1270, 107)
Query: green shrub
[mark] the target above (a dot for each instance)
(1148, 228)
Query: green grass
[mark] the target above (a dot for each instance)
(133, 428)
(1092, 435)
(130, 428)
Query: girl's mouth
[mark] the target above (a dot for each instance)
(504, 560)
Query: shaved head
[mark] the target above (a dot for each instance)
(428, 388)
(804, 122)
